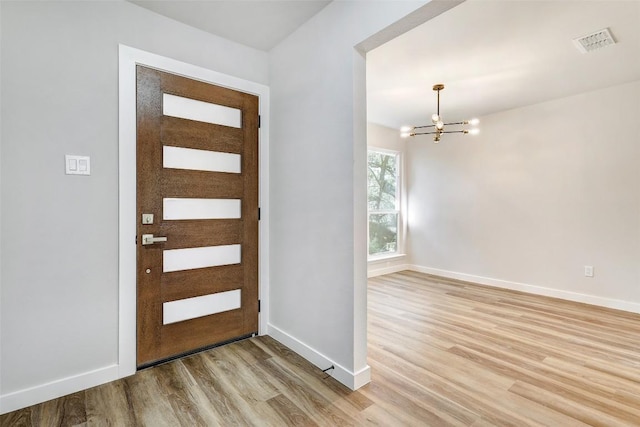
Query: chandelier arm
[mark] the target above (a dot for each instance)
(424, 133)
(446, 124)
(425, 126)
(442, 131)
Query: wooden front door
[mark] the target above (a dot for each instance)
(197, 212)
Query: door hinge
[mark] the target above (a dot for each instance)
(136, 239)
(259, 121)
(258, 306)
(258, 214)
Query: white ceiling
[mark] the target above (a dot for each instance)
(492, 55)
(261, 24)
(498, 55)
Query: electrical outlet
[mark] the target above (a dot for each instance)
(588, 271)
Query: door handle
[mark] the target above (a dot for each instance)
(148, 239)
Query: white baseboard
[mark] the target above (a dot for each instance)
(532, 289)
(360, 378)
(54, 389)
(373, 272)
(353, 380)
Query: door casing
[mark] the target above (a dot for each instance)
(128, 59)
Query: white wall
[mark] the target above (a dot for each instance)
(379, 136)
(318, 154)
(543, 191)
(389, 139)
(59, 264)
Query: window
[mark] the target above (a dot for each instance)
(383, 195)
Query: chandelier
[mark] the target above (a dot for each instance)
(438, 127)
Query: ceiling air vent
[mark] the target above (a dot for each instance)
(594, 41)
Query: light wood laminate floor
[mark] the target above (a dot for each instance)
(442, 352)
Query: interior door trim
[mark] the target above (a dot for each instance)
(128, 59)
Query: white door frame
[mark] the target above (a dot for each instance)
(128, 59)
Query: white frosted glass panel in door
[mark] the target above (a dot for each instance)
(191, 109)
(208, 256)
(191, 308)
(176, 209)
(202, 160)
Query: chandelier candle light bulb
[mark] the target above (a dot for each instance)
(439, 125)
(406, 131)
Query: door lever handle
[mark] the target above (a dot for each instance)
(148, 239)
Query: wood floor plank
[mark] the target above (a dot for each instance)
(188, 402)
(570, 388)
(66, 411)
(304, 397)
(568, 407)
(328, 386)
(150, 405)
(596, 378)
(615, 369)
(19, 418)
(443, 352)
(109, 405)
(477, 398)
(442, 363)
(424, 403)
(244, 378)
(290, 413)
(247, 391)
(335, 394)
(390, 400)
(223, 405)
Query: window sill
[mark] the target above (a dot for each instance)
(383, 258)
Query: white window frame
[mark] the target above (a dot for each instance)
(400, 206)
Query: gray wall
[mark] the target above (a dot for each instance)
(318, 182)
(59, 265)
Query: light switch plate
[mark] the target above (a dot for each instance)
(77, 165)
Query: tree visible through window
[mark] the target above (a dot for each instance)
(383, 203)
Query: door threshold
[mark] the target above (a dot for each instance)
(189, 353)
